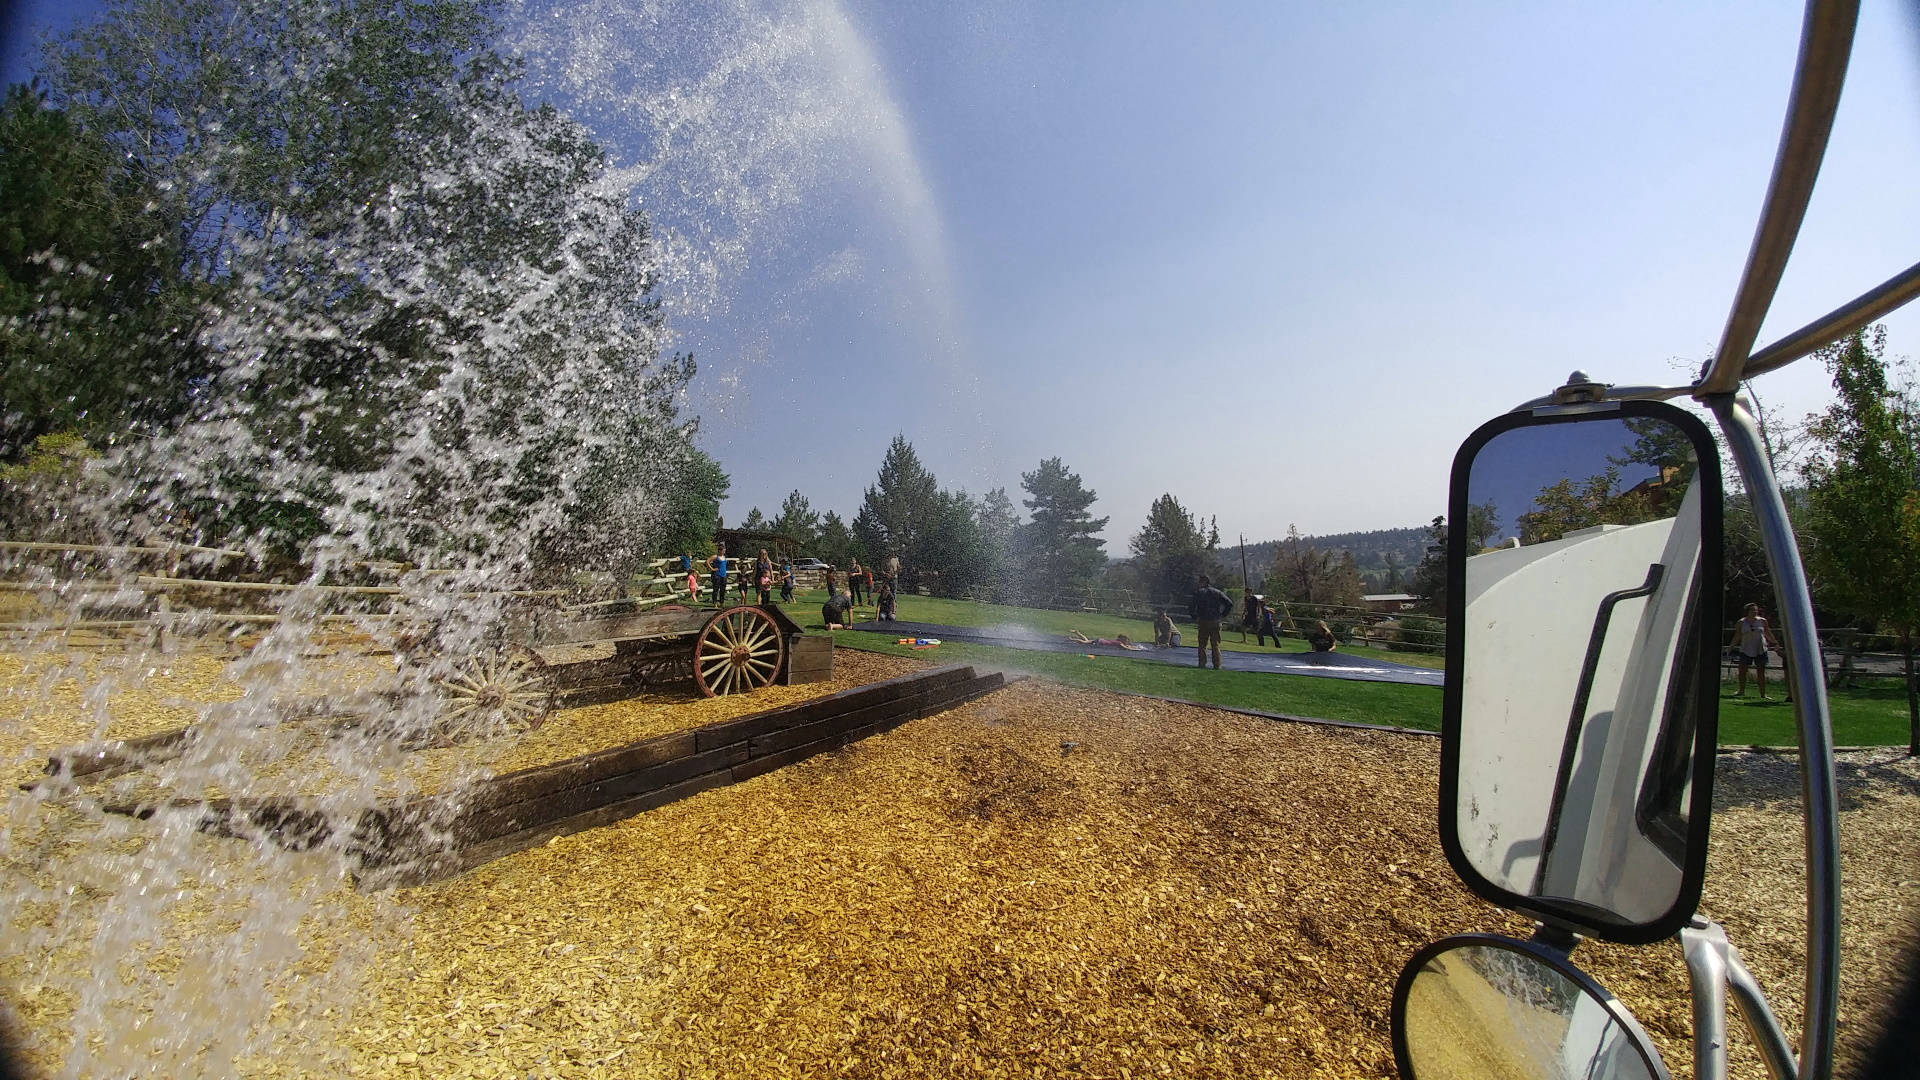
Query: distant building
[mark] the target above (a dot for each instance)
(1390, 603)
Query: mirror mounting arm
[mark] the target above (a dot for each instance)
(1561, 939)
(1817, 790)
(1713, 967)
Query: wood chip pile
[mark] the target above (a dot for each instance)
(1045, 882)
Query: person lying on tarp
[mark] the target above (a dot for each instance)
(1123, 641)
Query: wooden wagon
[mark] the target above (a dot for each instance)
(604, 650)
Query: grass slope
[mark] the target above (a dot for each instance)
(1873, 715)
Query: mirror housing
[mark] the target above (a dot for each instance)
(1581, 703)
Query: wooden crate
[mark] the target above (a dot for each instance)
(809, 659)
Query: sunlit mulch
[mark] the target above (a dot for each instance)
(1048, 881)
(50, 701)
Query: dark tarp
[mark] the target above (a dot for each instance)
(1333, 665)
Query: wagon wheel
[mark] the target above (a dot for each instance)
(504, 690)
(738, 650)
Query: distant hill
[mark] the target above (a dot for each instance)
(1371, 552)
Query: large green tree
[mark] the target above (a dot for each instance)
(837, 544)
(953, 553)
(899, 511)
(1863, 499)
(1170, 551)
(431, 329)
(999, 532)
(1060, 552)
(798, 520)
(96, 319)
(693, 507)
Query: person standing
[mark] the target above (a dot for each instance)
(1267, 628)
(718, 566)
(786, 581)
(854, 582)
(1753, 638)
(763, 577)
(893, 573)
(1208, 606)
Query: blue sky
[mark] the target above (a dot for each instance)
(1275, 259)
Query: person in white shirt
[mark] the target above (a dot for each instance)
(1752, 640)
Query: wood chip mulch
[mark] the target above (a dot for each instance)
(1045, 882)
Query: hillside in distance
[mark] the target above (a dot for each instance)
(1383, 555)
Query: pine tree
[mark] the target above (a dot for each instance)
(1062, 556)
(798, 521)
(898, 510)
(999, 531)
(1170, 551)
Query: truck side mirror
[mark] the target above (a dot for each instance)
(1481, 1006)
(1583, 559)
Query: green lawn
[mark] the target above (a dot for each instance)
(1387, 704)
(1873, 715)
(930, 609)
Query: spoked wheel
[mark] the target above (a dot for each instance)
(738, 650)
(503, 691)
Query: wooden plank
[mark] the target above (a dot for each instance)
(875, 721)
(435, 868)
(933, 699)
(748, 727)
(472, 827)
(776, 741)
(543, 780)
(809, 659)
(119, 755)
(644, 624)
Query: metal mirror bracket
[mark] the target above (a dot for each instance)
(1714, 966)
(1816, 739)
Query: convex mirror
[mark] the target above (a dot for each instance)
(1480, 1007)
(1583, 551)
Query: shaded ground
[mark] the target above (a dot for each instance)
(1335, 665)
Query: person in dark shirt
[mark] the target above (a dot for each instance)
(854, 583)
(833, 613)
(886, 602)
(1321, 637)
(1209, 605)
(786, 582)
(1267, 627)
